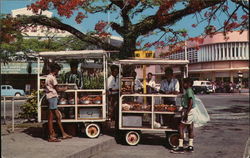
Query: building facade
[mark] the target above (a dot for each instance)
(217, 59)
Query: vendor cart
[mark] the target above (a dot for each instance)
(84, 107)
(140, 111)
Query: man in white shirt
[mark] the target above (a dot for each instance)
(150, 83)
(113, 93)
(169, 85)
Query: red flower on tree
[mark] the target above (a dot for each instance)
(80, 17)
(194, 25)
(138, 44)
(100, 26)
(234, 16)
(244, 17)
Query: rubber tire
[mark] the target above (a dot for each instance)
(173, 139)
(95, 127)
(132, 133)
(17, 95)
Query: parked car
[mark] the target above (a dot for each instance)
(201, 84)
(201, 90)
(8, 90)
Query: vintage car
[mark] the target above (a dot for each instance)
(8, 90)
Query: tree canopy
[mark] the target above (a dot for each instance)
(164, 14)
(19, 50)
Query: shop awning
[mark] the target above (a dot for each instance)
(152, 62)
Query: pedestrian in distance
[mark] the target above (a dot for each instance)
(188, 112)
(52, 97)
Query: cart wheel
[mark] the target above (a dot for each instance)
(132, 138)
(92, 130)
(173, 139)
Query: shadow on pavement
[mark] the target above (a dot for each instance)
(37, 132)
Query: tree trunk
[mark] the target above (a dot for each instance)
(127, 51)
(128, 47)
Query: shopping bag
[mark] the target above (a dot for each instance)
(201, 116)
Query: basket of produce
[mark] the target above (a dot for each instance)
(97, 100)
(85, 100)
(71, 101)
(147, 108)
(127, 86)
(161, 107)
(126, 107)
(62, 101)
(171, 108)
(136, 106)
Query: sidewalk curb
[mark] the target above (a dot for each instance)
(247, 149)
(92, 150)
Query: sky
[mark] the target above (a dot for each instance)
(88, 24)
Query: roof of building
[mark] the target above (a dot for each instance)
(25, 11)
(74, 54)
(235, 36)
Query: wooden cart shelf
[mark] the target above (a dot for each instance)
(89, 105)
(139, 112)
(165, 112)
(66, 105)
(90, 119)
(148, 129)
(150, 95)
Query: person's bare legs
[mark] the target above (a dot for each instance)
(181, 132)
(191, 131)
(180, 147)
(191, 136)
(58, 118)
(50, 125)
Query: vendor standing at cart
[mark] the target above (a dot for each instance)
(150, 84)
(74, 76)
(113, 94)
(169, 85)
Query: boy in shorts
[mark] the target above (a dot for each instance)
(187, 117)
(52, 97)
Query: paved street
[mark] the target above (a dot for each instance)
(225, 136)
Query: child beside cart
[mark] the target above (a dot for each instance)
(193, 114)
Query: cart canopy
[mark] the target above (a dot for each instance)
(74, 54)
(152, 62)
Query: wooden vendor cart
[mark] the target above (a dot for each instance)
(86, 108)
(139, 111)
